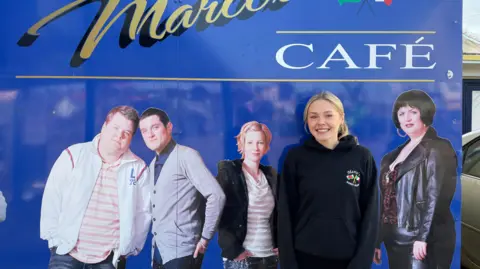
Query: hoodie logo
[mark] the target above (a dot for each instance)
(353, 178)
(132, 177)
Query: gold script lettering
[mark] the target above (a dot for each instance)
(184, 16)
(95, 35)
(226, 6)
(55, 15)
(249, 5)
(157, 10)
(210, 10)
(178, 19)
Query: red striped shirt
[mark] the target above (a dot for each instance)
(100, 230)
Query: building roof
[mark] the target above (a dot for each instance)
(471, 30)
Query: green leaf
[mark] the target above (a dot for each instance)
(341, 2)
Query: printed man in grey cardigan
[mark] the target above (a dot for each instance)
(187, 201)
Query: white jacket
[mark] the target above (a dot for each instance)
(3, 208)
(68, 190)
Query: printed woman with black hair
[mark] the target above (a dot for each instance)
(328, 195)
(247, 228)
(418, 181)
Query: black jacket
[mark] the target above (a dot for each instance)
(232, 228)
(425, 187)
(328, 204)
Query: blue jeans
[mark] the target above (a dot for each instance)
(270, 262)
(68, 262)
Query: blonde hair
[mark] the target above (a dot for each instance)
(253, 126)
(336, 102)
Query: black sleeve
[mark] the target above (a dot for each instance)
(379, 237)
(287, 207)
(367, 239)
(227, 240)
(275, 209)
(441, 172)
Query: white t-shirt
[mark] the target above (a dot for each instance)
(260, 206)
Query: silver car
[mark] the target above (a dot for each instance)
(471, 200)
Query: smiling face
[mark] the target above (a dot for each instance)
(410, 121)
(155, 134)
(117, 133)
(324, 120)
(255, 146)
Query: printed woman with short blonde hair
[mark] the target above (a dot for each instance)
(247, 229)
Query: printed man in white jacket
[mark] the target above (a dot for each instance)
(96, 204)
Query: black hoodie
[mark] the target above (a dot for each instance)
(328, 203)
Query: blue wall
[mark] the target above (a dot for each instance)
(191, 77)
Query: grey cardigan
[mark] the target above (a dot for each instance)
(187, 203)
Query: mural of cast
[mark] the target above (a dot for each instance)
(418, 182)
(248, 228)
(328, 194)
(214, 66)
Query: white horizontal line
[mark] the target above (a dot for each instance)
(355, 32)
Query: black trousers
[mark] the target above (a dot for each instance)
(399, 245)
(309, 261)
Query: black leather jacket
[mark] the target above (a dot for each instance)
(425, 187)
(232, 228)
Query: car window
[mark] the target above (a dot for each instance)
(471, 165)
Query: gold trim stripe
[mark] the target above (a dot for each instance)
(469, 57)
(222, 79)
(359, 32)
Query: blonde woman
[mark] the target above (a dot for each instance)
(328, 196)
(247, 229)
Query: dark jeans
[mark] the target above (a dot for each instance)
(252, 263)
(187, 262)
(68, 262)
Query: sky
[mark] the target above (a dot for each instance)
(471, 18)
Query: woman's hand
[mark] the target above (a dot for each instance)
(275, 250)
(243, 255)
(377, 257)
(419, 250)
